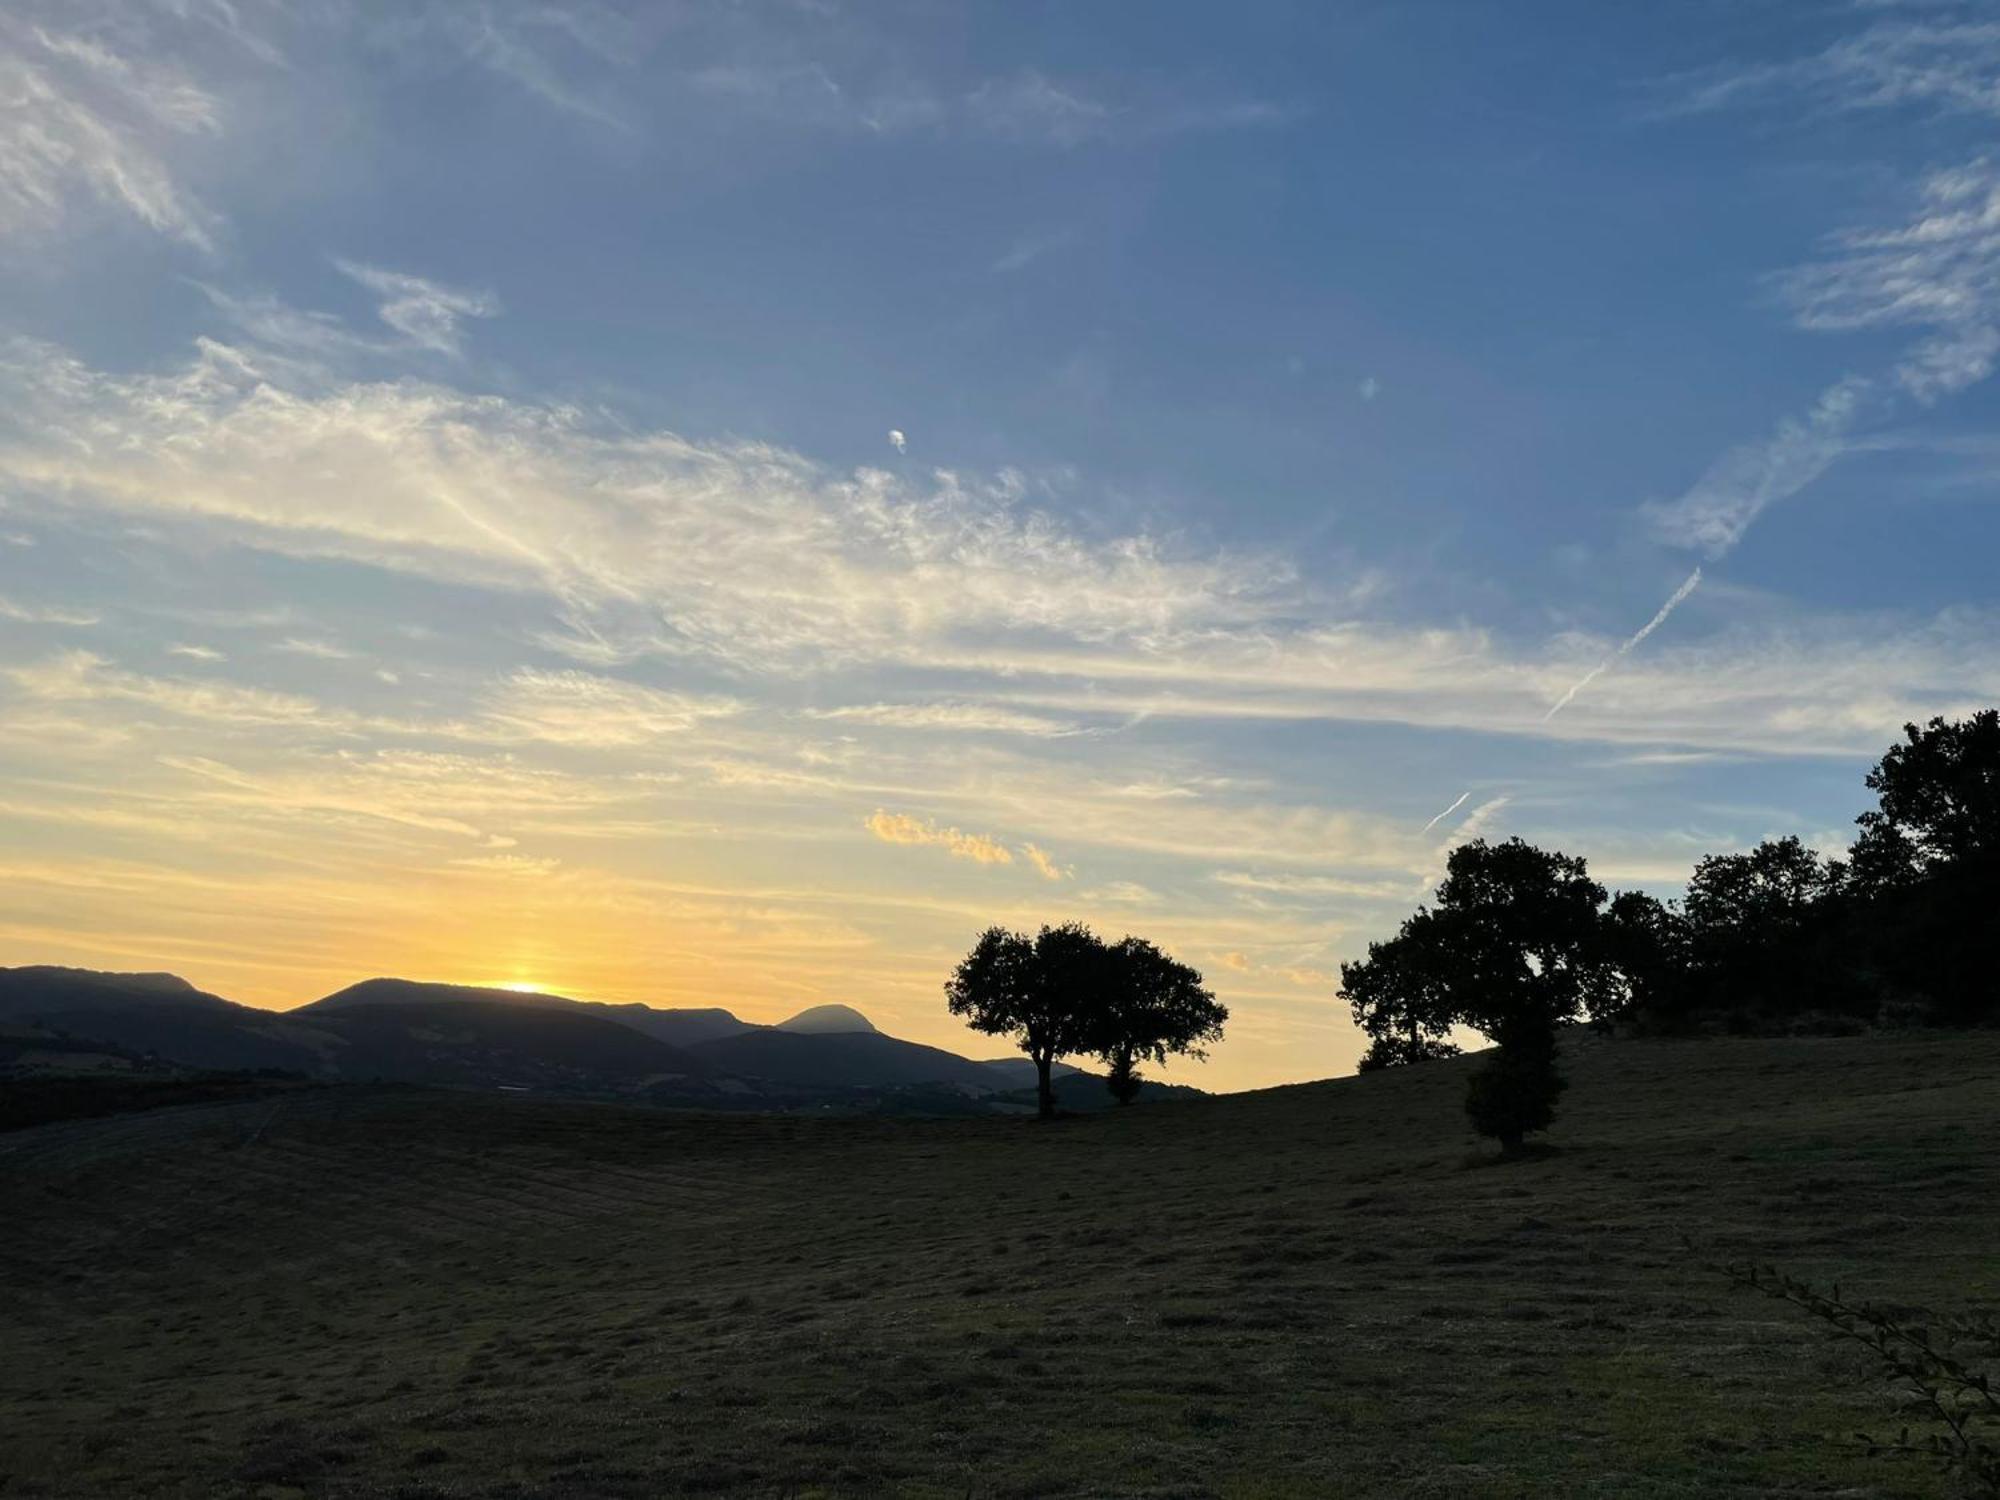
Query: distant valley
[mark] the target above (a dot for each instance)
(66, 1023)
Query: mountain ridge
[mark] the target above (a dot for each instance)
(441, 1034)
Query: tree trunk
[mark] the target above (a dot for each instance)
(1045, 1094)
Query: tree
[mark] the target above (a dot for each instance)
(1646, 941)
(1399, 1000)
(1153, 1006)
(1764, 934)
(1514, 948)
(1927, 867)
(1513, 1093)
(1045, 992)
(1939, 794)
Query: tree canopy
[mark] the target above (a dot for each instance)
(1065, 992)
(1513, 948)
(1153, 1006)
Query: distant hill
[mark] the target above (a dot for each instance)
(677, 1027)
(1019, 1072)
(77, 1021)
(491, 1044)
(160, 1014)
(48, 990)
(847, 1059)
(820, 1020)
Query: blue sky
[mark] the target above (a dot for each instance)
(715, 502)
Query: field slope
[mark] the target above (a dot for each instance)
(1302, 1292)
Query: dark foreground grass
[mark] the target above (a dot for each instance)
(1305, 1292)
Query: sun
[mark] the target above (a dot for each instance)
(520, 987)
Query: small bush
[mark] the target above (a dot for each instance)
(1514, 1093)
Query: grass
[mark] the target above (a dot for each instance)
(1303, 1292)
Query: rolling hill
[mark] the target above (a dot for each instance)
(1329, 1289)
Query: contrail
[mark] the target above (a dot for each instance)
(1447, 812)
(1673, 603)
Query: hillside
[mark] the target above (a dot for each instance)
(1307, 1291)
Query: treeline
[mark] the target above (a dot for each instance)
(1520, 941)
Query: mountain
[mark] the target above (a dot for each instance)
(73, 1021)
(677, 1027)
(841, 1059)
(823, 1020)
(159, 1014)
(47, 990)
(494, 1044)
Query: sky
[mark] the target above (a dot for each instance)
(717, 502)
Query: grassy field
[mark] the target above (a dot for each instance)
(1305, 1292)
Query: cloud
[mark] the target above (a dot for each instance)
(586, 710)
(953, 718)
(1937, 67)
(1028, 250)
(653, 543)
(1119, 893)
(1712, 516)
(897, 441)
(426, 313)
(515, 866)
(901, 828)
(196, 653)
(1318, 887)
(84, 677)
(1370, 388)
(1029, 106)
(37, 614)
(752, 561)
(1044, 866)
(319, 650)
(93, 114)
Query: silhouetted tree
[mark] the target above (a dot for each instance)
(1513, 1092)
(1646, 941)
(1401, 1000)
(1045, 992)
(1927, 867)
(1153, 1006)
(1939, 796)
(1514, 948)
(1121, 1077)
(1765, 935)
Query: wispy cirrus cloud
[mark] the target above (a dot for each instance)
(584, 709)
(90, 115)
(46, 614)
(1947, 65)
(426, 313)
(85, 676)
(950, 718)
